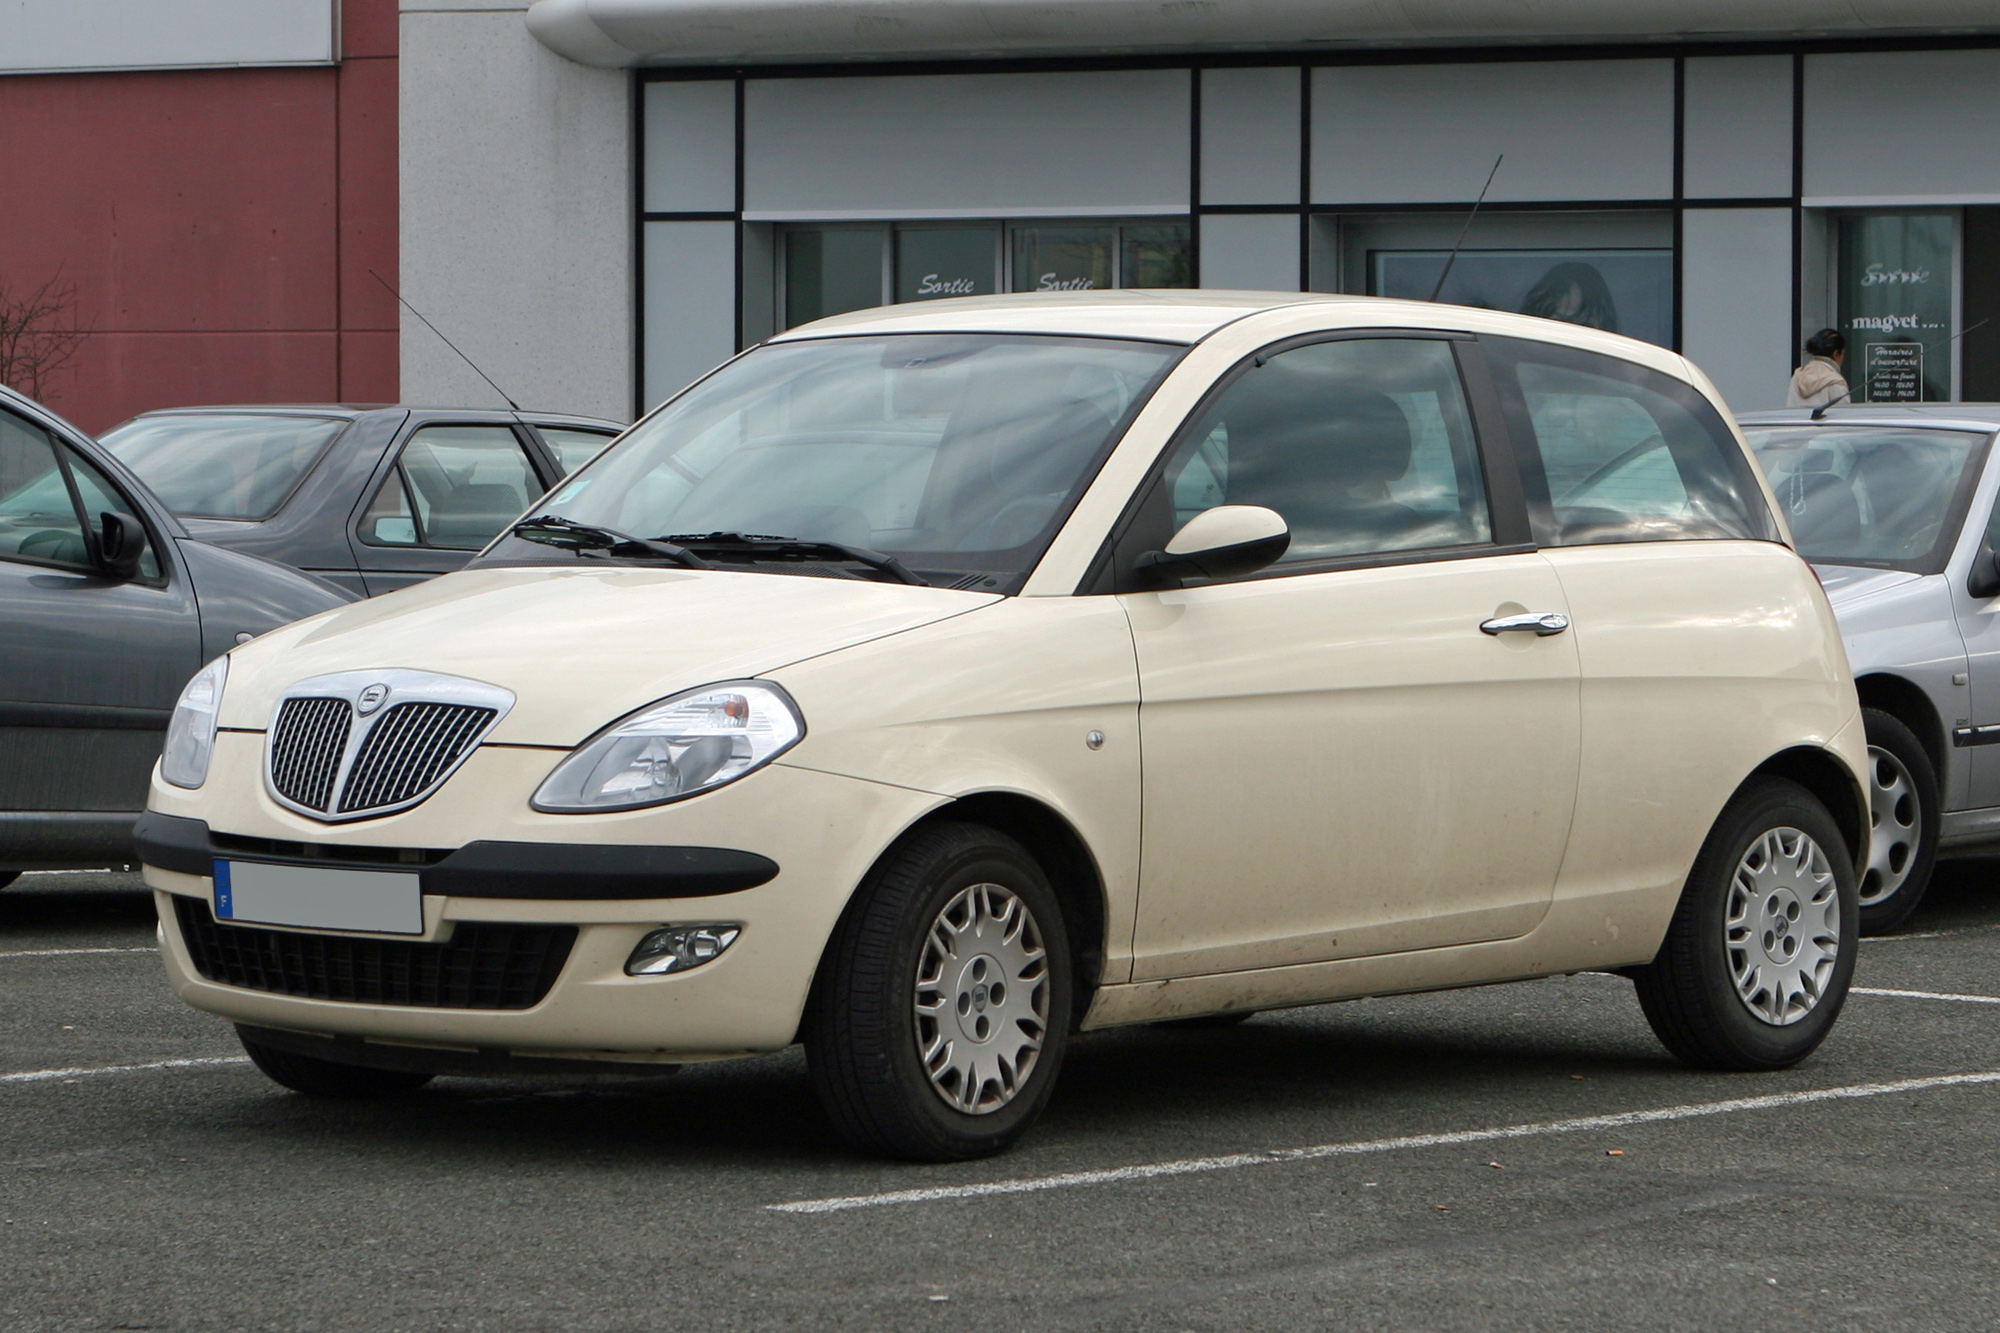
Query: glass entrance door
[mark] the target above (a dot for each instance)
(1898, 293)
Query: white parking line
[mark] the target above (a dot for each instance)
(1195, 1165)
(1928, 995)
(61, 1075)
(63, 953)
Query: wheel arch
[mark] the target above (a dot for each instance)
(1821, 772)
(1064, 856)
(1908, 703)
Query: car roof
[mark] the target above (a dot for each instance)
(1938, 416)
(350, 411)
(1176, 315)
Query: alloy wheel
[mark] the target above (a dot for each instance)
(982, 999)
(1782, 926)
(1895, 821)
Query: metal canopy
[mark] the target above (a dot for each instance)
(617, 33)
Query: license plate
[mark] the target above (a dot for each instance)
(318, 898)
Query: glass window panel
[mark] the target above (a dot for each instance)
(574, 448)
(223, 465)
(37, 517)
(1062, 259)
(467, 483)
(959, 453)
(1363, 445)
(389, 521)
(1868, 495)
(1895, 305)
(831, 270)
(100, 497)
(946, 261)
(1156, 256)
(1630, 455)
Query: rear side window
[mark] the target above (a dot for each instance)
(1622, 453)
(454, 487)
(573, 448)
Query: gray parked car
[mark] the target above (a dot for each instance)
(373, 498)
(1895, 508)
(107, 608)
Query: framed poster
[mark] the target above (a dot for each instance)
(1619, 291)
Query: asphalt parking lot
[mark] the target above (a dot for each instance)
(1468, 1160)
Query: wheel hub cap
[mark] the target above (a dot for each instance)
(1893, 818)
(1782, 926)
(982, 999)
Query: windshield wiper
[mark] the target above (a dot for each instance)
(799, 549)
(549, 530)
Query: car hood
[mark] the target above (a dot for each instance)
(582, 647)
(1848, 584)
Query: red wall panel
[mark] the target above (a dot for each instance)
(219, 226)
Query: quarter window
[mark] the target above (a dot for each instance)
(1363, 445)
(1623, 454)
(454, 487)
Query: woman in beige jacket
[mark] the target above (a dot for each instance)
(1819, 382)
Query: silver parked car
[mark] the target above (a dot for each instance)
(107, 608)
(1895, 508)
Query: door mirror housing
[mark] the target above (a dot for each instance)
(1219, 543)
(121, 542)
(1984, 580)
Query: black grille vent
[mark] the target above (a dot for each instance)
(306, 746)
(484, 965)
(409, 748)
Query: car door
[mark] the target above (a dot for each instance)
(1347, 753)
(445, 492)
(92, 664)
(1686, 605)
(1975, 728)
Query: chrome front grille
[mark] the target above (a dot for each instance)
(306, 746)
(367, 743)
(406, 751)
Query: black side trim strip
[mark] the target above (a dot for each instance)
(173, 843)
(1962, 737)
(84, 717)
(570, 871)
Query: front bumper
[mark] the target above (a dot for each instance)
(814, 836)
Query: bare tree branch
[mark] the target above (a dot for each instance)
(39, 333)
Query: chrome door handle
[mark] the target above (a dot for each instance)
(1541, 623)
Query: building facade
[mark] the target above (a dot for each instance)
(207, 190)
(598, 200)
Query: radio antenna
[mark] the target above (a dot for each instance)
(1452, 258)
(447, 342)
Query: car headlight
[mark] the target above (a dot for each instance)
(678, 747)
(191, 730)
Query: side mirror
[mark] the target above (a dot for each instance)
(1220, 542)
(1984, 581)
(121, 541)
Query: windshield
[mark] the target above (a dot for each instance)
(222, 465)
(959, 454)
(1882, 497)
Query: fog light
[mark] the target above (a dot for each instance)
(678, 948)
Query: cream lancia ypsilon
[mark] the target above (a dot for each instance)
(933, 683)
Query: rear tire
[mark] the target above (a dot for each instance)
(329, 1078)
(1904, 815)
(942, 1008)
(1756, 962)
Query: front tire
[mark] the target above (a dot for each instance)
(1904, 816)
(942, 1009)
(1756, 962)
(329, 1078)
